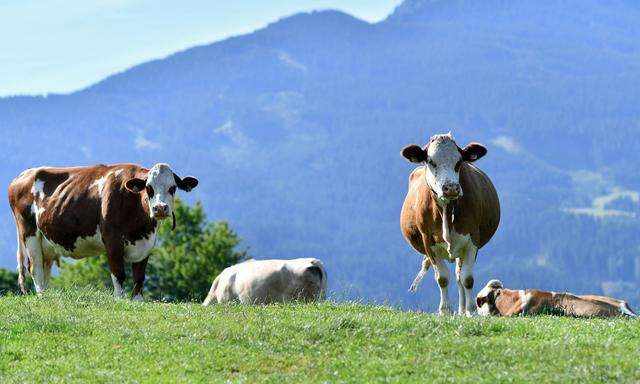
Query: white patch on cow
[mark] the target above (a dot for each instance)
(38, 189)
(624, 308)
(457, 247)
(36, 212)
(100, 183)
(140, 249)
(443, 152)
(83, 247)
(484, 310)
(117, 288)
(524, 300)
(118, 172)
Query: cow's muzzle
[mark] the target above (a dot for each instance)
(451, 191)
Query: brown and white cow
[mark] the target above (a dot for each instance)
(87, 211)
(451, 210)
(496, 300)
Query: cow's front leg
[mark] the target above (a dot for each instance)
(442, 278)
(138, 271)
(115, 257)
(461, 291)
(466, 275)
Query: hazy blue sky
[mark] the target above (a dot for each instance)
(63, 45)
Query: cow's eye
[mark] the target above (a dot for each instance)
(149, 191)
(431, 163)
(458, 164)
(172, 190)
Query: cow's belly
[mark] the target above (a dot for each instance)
(459, 247)
(139, 249)
(88, 246)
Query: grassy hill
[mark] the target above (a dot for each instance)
(90, 337)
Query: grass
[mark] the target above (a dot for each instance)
(86, 336)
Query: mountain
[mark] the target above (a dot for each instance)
(295, 132)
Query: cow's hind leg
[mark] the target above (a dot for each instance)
(22, 270)
(34, 249)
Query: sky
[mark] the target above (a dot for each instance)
(58, 46)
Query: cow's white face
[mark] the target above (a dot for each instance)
(443, 167)
(444, 160)
(161, 189)
(486, 298)
(160, 186)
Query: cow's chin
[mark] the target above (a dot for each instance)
(160, 218)
(484, 310)
(448, 199)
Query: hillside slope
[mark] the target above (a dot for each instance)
(89, 337)
(294, 132)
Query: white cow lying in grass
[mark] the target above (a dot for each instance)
(270, 281)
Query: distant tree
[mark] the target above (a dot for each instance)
(182, 265)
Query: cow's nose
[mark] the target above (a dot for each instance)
(451, 190)
(161, 210)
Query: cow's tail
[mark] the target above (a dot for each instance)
(426, 263)
(22, 269)
(626, 310)
(211, 297)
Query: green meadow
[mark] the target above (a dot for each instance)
(87, 336)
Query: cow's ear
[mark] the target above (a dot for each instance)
(414, 153)
(186, 184)
(473, 152)
(135, 185)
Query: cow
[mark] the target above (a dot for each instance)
(87, 211)
(451, 210)
(270, 281)
(495, 300)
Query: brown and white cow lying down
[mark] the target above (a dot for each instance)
(270, 281)
(496, 300)
(451, 210)
(87, 211)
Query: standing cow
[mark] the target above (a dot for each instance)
(87, 211)
(451, 210)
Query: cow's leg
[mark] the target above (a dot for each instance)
(461, 290)
(34, 249)
(46, 267)
(467, 279)
(115, 257)
(138, 271)
(442, 278)
(21, 255)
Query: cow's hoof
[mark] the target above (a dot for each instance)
(471, 313)
(137, 298)
(445, 312)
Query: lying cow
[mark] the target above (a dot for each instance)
(451, 211)
(87, 211)
(270, 281)
(496, 300)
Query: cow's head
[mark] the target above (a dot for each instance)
(486, 299)
(443, 160)
(160, 188)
